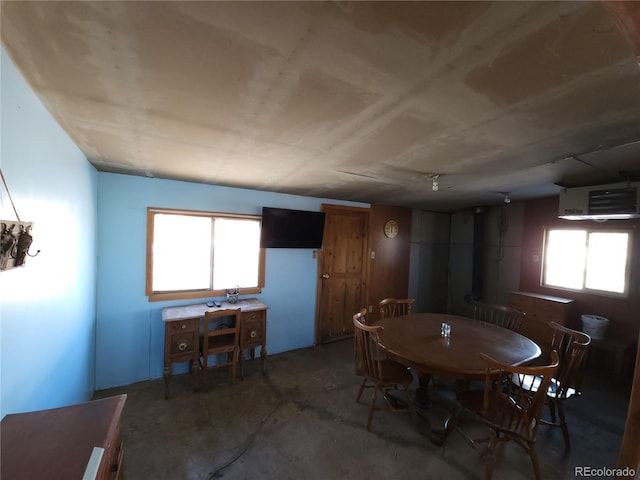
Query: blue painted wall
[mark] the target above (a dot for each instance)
(130, 332)
(47, 308)
(70, 324)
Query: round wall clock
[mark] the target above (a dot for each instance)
(391, 228)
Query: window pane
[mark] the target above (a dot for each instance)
(236, 247)
(606, 261)
(565, 258)
(181, 252)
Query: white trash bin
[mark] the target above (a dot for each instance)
(595, 326)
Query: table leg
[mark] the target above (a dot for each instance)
(166, 376)
(194, 366)
(422, 391)
(439, 437)
(263, 359)
(439, 430)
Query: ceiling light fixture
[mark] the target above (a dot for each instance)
(435, 178)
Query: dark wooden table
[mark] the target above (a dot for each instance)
(415, 340)
(71, 442)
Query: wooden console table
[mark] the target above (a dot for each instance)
(182, 328)
(540, 310)
(78, 441)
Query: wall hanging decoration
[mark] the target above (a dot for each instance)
(15, 238)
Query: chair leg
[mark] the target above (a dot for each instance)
(372, 407)
(232, 366)
(564, 426)
(489, 455)
(535, 461)
(364, 381)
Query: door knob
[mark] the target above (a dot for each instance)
(325, 275)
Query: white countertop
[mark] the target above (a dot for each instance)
(171, 314)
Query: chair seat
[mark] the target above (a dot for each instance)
(554, 388)
(531, 383)
(395, 373)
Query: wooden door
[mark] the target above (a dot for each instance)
(342, 268)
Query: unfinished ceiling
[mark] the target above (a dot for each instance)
(361, 101)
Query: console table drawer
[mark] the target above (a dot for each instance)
(183, 343)
(252, 329)
(255, 315)
(184, 326)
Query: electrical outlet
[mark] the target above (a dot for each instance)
(370, 308)
(373, 255)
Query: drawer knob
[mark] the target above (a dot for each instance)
(253, 334)
(182, 346)
(184, 325)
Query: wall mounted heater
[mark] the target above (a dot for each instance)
(614, 201)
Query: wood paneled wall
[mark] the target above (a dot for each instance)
(389, 271)
(621, 312)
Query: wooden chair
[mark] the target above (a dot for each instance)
(361, 316)
(500, 315)
(381, 374)
(220, 339)
(391, 307)
(571, 346)
(510, 410)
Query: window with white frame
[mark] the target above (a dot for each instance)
(594, 260)
(199, 254)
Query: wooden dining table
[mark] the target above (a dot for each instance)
(416, 341)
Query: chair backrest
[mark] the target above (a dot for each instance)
(509, 404)
(391, 307)
(224, 336)
(361, 316)
(571, 346)
(500, 315)
(368, 352)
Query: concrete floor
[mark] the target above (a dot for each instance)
(301, 421)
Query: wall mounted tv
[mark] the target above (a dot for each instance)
(285, 228)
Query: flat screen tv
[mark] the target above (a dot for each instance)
(285, 228)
